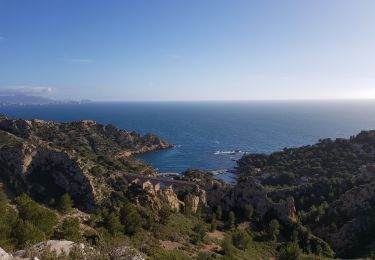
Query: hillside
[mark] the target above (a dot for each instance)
(332, 184)
(78, 185)
(48, 159)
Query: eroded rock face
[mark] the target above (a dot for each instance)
(46, 173)
(249, 192)
(148, 195)
(169, 197)
(47, 159)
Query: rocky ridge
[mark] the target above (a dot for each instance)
(47, 159)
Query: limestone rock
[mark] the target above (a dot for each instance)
(249, 192)
(47, 159)
(4, 255)
(171, 199)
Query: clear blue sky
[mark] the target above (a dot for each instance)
(188, 50)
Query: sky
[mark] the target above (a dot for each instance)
(177, 50)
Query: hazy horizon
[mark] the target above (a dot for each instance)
(188, 51)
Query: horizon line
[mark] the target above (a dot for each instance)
(228, 100)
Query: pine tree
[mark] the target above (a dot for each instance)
(65, 204)
(231, 220)
(273, 229)
(213, 223)
(219, 213)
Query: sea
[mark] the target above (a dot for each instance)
(213, 135)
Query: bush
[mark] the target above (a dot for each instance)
(65, 203)
(273, 229)
(228, 248)
(290, 252)
(8, 220)
(205, 256)
(231, 220)
(248, 211)
(213, 226)
(164, 214)
(69, 230)
(112, 223)
(219, 213)
(241, 239)
(131, 219)
(26, 233)
(199, 233)
(30, 211)
(161, 254)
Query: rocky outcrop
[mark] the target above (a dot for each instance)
(249, 192)
(169, 197)
(58, 246)
(47, 159)
(4, 255)
(147, 194)
(87, 134)
(45, 173)
(62, 249)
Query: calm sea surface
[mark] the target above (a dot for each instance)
(204, 134)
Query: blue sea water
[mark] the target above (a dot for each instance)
(200, 129)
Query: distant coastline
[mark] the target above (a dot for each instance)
(198, 130)
(29, 100)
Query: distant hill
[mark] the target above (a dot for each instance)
(24, 100)
(9, 100)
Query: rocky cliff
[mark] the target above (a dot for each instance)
(83, 135)
(154, 197)
(248, 191)
(48, 159)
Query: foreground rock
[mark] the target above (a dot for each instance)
(59, 247)
(63, 249)
(4, 255)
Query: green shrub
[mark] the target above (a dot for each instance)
(219, 213)
(205, 256)
(164, 214)
(213, 226)
(227, 246)
(65, 203)
(273, 229)
(241, 239)
(112, 223)
(231, 220)
(68, 230)
(290, 251)
(26, 233)
(248, 211)
(130, 218)
(161, 254)
(30, 211)
(199, 233)
(8, 220)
